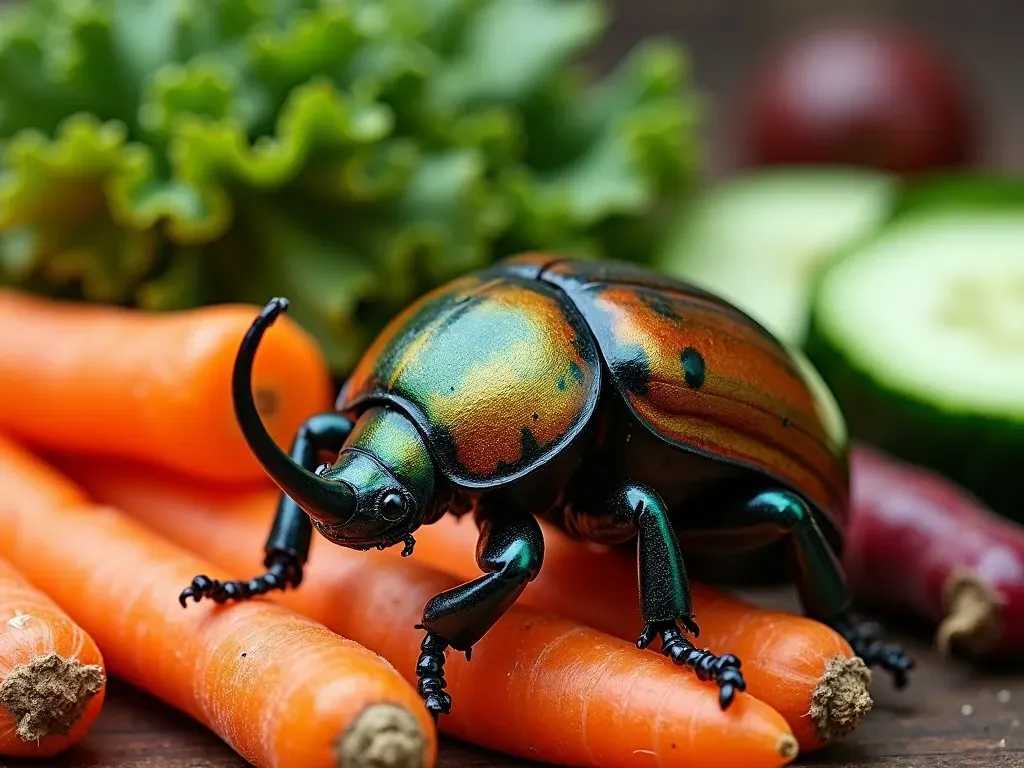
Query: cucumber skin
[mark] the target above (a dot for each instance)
(985, 455)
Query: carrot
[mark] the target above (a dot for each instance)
(539, 686)
(52, 678)
(279, 688)
(804, 669)
(150, 385)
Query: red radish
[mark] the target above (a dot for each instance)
(860, 96)
(916, 541)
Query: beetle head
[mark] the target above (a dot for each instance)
(377, 491)
(387, 471)
(385, 509)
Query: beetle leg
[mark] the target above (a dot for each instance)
(819, 578)
(510, 552)
(287, 546)
(665, 591)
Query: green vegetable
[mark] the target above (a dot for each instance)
(759, 240)
(920, 335)
(349, 154)
(960, 191)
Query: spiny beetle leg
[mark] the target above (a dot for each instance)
(283, 571)
(819, 578)
(287, 546)
(430, 671)
(865, 638)
(723, 670)
(509, 552)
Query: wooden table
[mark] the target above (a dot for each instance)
(954, 714)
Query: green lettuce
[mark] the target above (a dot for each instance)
(348, 154)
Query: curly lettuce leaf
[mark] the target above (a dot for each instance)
(621, 149)
(55, 222)
(510, 47)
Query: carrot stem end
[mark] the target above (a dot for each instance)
(383, 736)
(48, 695)
(841, 697)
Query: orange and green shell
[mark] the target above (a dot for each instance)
(499, 372)
(502, 369)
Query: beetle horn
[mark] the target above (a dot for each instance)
(308, 490)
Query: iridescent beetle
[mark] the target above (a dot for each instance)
(615, 402)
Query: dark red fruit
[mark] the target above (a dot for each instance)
(860, 96)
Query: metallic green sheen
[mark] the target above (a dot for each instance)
(394, 441)
(500, 374)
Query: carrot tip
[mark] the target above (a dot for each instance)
(788, 747)
(841, 697)
(974, 620)
(48, 695)
(382, 736)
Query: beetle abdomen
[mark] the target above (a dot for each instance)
(703, 376)
(500, 373)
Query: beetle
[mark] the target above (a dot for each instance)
(615, 402)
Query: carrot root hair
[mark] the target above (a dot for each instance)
(383, 736)
(840, 699)
(48, 695)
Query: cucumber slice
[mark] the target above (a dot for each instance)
(920, 336)
(758, 240)
(960, 191)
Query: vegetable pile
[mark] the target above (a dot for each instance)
(142, 525)
(320, 664)
(904, 295)
(347, 153)
(322, 700)
(166, 167)
(862, 231)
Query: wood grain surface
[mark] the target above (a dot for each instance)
(954, 714)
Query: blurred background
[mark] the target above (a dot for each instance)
(729, 39)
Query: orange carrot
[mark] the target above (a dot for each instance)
(538, 686)
(154, 386)
(52, 678)
(804, 669)
(279, 688)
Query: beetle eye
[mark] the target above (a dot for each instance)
(392, 506)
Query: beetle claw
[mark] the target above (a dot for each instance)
(650, 631)
(283, 571)
(726, 694)
(201, 586)
(439, 703)
(723, 670)
(430, 671)
(865, 638)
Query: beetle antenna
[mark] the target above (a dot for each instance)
(410, 544)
